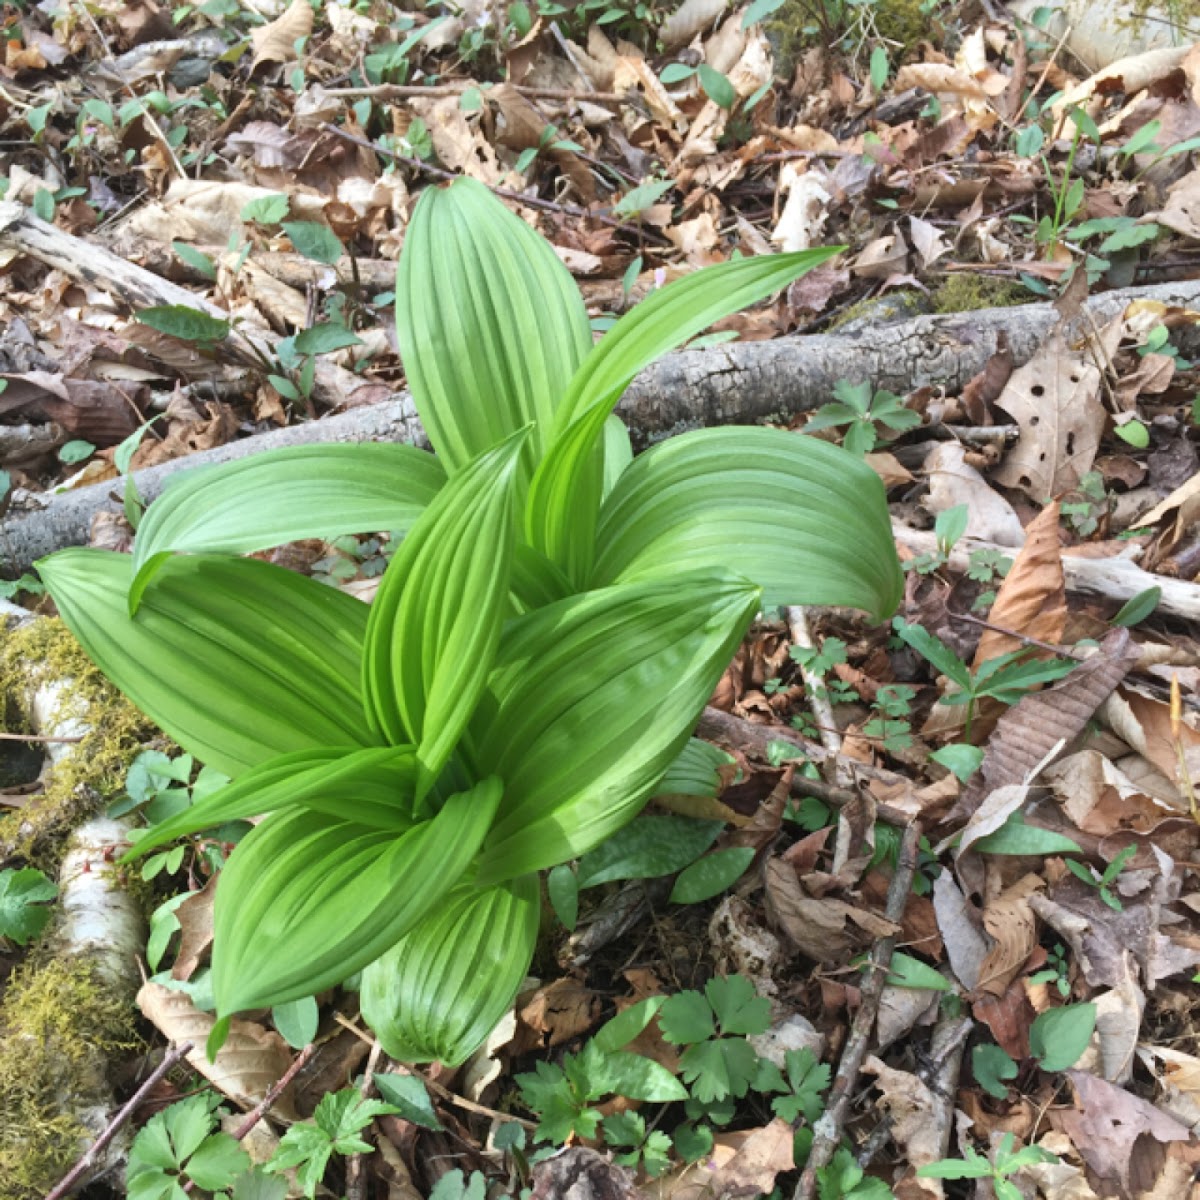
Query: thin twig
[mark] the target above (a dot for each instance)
(445, 1093)
(827, 1132)
(570, 210)
(409, 91)
(274, 1092)
(817, 695)
(356, 1164)
(84, 1165)
(1061, 651)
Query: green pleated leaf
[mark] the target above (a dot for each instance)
(435, 623)
(591, 701)
(442, 988)
(696, 772)
(618, 451)
(306, 899)
(236, 659)
(805, 520)
(565, 496)
(491, 324)
(371, 787)
(284, 496)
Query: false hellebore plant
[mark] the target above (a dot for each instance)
(538, 653)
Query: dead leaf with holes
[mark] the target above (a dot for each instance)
(276, 41)
(1055, 398)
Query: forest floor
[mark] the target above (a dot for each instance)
(964, 940)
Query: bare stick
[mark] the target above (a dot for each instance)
(79, 1171)
(274, 1092)
(817, 695)
(827, 1132)
(356, 1164)
(39, 737)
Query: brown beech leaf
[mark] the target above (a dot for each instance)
(249, 1062)
(1032, 599)
(561, 1011)
(1027, 733)
(1013, 927)
(1055, 400)
(275, 42)
(195, 917)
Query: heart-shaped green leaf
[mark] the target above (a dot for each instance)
(237, 660)
(306, 899)
(442, 988)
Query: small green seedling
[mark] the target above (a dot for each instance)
(181, 1145)
(1005, 678)
(861, 408)
(844, 1179)
(1102, 882)
(1056, 971)
(1005, 1163)
(335, 1128)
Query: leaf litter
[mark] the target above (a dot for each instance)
(267, 158)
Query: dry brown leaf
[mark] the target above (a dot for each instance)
(1179, 1076)
(195, 917)
(561, 1011)
(939, 78)
(820, 928)
(913, 1108)
(1114, 1132)
(1013, 927)
(881, 257)
(1118, 1023)
(582, 1174)
(927, 240)
(1032, 599)
(744, 1163)
(953, 481)
(802, 221)
(1025, 735)
(1128, 75)
(276, 41)
(1055, 400)
(889, 468)
(688, 20)
(251, 1060)
(630, 72)
(958, 922)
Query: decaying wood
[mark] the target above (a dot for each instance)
(100, 929)
(38, 523)
(1115, 579)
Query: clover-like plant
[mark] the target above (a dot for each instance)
(539, 650)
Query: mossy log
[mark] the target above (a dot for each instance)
(68, 1011)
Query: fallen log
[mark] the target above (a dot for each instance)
(743, 383)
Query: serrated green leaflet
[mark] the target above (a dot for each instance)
(283, 496)
(435, 623)
(491, 324)
(803, 520)
(564, 498)
(440, 991)
(306, 899)
(593, 699)
(237, 660)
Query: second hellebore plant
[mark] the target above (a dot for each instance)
(538, 653)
